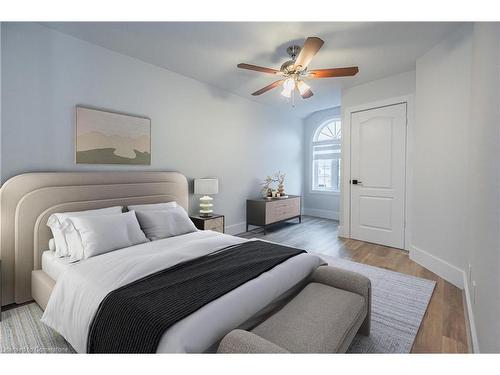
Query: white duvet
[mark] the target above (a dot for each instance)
(81, 288)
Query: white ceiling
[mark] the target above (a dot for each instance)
(210, 51)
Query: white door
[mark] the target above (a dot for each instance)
(378, 153)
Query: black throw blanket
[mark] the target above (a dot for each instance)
(133, 318)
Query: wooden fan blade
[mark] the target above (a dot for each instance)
(268, 87)
(258, 68)
(335, 72)
(311, 47)
(307, 94)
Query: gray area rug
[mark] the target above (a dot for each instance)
(23, 332)
(399, 303)
(398, 306)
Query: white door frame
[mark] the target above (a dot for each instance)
(345, 224)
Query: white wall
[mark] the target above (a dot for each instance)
(385, 88)
(196, 129)
(483, 209)
(456, 200)
(443, 95)
(395, 86)
(319, 204)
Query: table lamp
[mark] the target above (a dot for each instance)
(206, 187)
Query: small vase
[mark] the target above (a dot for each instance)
(281, 189)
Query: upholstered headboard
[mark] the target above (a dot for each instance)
(27, 200)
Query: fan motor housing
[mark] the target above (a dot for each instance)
(288, 66)
(293, 51)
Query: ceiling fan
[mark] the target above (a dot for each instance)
(295, 70)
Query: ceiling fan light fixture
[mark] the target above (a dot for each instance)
(286, 93)
(303, 87)
(289, 84)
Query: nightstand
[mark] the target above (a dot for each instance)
(215, 222)
(263, 212)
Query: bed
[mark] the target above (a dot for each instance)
(71, 293)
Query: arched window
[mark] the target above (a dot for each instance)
(326, 157)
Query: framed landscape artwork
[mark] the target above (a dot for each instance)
(105, 137)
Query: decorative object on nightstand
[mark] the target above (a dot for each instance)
(206, 187)
(281, 184)
(268, 190)
(263, 212)
(215, 222)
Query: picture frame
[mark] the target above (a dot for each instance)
(110, 137)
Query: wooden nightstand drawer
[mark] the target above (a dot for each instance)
(281, 210)
(219, 229)
(264, 212)
(214, 222)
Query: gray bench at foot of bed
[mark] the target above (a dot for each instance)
(323, 318)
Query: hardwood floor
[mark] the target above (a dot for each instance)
(443, 328)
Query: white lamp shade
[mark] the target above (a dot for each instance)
(206, 186)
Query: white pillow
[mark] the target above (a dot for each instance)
(165, 223)
(52, 245)
(105, 233)
(73, 240)
(57, 224)
(152, 206)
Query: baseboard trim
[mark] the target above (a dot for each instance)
(237, 228)
(325, 214)
(341, 232)
(453, 275)
(440, 267)
(470, 315)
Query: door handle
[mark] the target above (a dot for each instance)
(356, 182)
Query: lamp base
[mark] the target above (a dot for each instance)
(206, 206)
